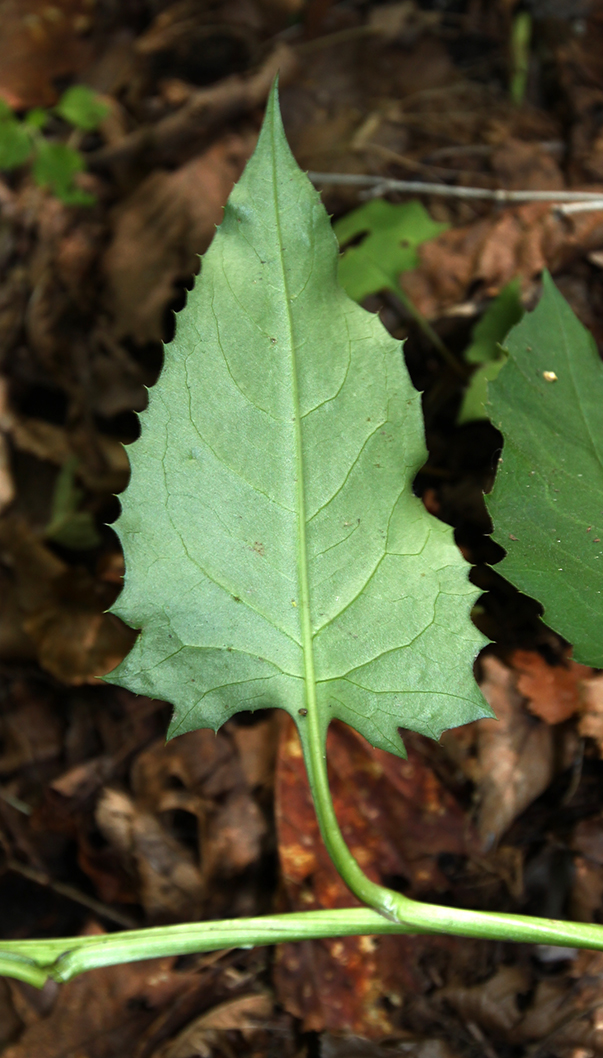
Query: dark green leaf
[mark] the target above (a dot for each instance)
(15, 143)
(485, 349)
(547, 502)
(54, 166)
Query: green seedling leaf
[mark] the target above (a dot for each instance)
(36, 118)
(547, 502)
(15, 141)
(503, 312)
(82, 107)
(275, 552)
(475, 399)
(54, 166)
(69, 526)
(388, 248)
(485, 349)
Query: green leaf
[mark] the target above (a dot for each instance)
(36, 118)
(68, 525)
(547, 502)
(82, 107)
(491, 330)
(54, 166)
(474, 402)
(15, 142)
(273, 543)
(389, 247)
(485, 349)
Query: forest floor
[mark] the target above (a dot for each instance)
(105, 827)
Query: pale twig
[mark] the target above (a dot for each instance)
(379, 185)
(579, 207)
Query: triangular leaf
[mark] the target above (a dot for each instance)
(547, 502)
(391, 234)
(275, 552)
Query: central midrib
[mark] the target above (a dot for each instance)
(302, 551)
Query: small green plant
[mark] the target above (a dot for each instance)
(379, 241)
(520, 43)
(486, 350)
(53, 164)
(68, 525)
(284, 561)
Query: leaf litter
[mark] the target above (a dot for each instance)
(500, 816)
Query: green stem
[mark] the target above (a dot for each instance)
(414, 916)
(521, 36)
(62, 959)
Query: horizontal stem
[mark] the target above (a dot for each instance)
(62, 959)
(381, 185)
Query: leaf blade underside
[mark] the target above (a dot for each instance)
(547, 500)
(279, 449)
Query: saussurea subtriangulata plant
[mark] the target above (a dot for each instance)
(276, 555)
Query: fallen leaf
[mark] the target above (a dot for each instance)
(31, 730)
(590, 724)
(7, 485)
(61, 609)
(553, 692)
(171, 885)
(494, 1004)
(10, 1022)
(41, 42)
(525, 166)
(490, 252)
(159, 230)
(587, 880)
(242, 1014)
(510, 759)
(357, 1047)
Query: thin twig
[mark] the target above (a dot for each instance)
(380, 185)
(71, 893)
(579, 207)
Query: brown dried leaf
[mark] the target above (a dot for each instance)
(522, 240)
(31, 731)
(591, 721)
(493, 1004)
(554, 692)
(61, 609)
(41, 42)
(159, 230)
(234, 838)
(357, 1047)
(170, 882)
(514, 754)
(10, 1022)
(241, 1014)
